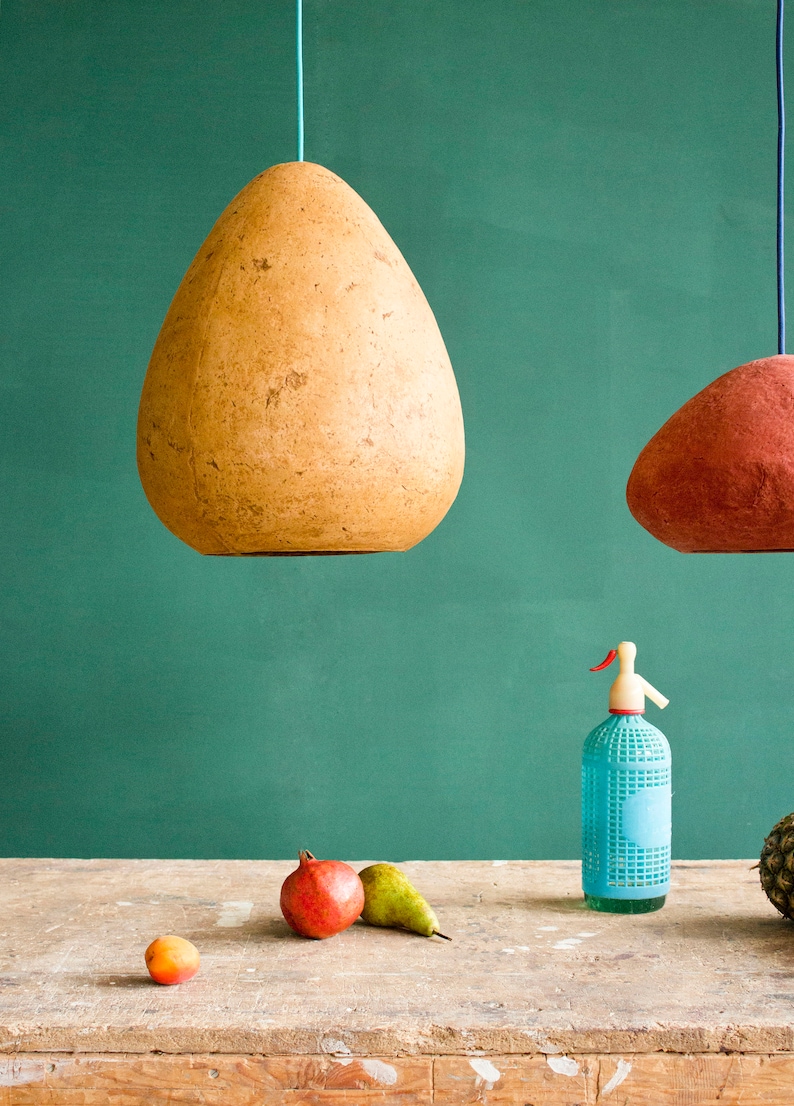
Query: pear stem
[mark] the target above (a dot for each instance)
(437, 934)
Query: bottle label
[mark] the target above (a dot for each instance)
(645, 817)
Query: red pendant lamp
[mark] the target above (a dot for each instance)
(718, 477)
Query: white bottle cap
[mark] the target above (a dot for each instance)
(627, 694)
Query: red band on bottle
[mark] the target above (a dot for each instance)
(613, 711)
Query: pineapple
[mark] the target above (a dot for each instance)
(777, 866)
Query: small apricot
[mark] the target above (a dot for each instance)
(172, 959)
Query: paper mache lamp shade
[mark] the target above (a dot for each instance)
(718, 477)
(299, 398)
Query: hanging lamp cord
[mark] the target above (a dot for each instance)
(299, 69)
(781, 149)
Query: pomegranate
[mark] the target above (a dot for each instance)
(321, 897)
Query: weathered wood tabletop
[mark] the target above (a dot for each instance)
(536, 999)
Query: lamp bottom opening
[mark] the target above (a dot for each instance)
(741, 551)
(304, 553)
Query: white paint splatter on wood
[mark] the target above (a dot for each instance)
(563, 1065)
(15, 1071)
(380, 1072)
(486, 1072)
(333, 1046)
(234, 914)
(624, 1067)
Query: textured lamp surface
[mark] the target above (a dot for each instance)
(719, 475)
(299, 398)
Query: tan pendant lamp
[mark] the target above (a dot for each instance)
(718, 477)
(299, 398)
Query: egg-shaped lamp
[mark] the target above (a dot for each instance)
(718, 477)
(299, 398)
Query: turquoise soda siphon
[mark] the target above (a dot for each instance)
(626, 799)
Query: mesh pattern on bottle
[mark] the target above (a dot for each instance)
(628, 743)
(617, 746)
(629, 864)
(590, 855)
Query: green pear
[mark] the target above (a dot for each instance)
(390, 899)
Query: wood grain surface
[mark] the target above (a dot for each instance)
(59, 1079)
(529, 971)
(213, 1080)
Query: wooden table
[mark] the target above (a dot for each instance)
(537, 1001)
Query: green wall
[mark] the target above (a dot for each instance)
(585, 191)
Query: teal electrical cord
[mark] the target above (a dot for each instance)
(299, 69)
